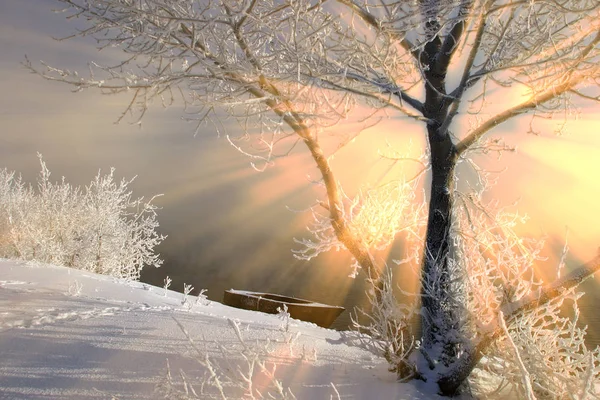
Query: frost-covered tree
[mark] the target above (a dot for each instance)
(99, 228)
(291, 70)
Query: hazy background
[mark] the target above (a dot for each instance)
(229, 226)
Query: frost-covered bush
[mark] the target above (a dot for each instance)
(246, 370)
(539, 353)
(526, 345)
(98, 228)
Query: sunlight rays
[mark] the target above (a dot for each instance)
(212, 192)
(563, 187)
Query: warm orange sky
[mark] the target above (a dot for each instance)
(212, 196)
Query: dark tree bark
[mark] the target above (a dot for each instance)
(439, 315)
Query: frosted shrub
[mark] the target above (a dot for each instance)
(246, 370)
(388, 330)
(527, 347)
(99, 228)
(539, 352)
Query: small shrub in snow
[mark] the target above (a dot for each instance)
(202, 299)
(75, 288)
(187, 289)
(243, 372)
(388, 330)
(99, 228)
(167, 284)
(284, 316)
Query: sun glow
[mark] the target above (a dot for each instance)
(217, 209)
(551, 177)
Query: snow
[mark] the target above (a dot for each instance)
(277, 299)
(69, 334)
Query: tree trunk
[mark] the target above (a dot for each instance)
(440, 320)
(439, 311)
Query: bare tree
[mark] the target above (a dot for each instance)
(290, 70)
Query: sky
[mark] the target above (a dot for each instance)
(228, 225)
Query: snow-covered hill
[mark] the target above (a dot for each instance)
(69, 334)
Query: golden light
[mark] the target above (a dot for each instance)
(554, 180)
(555, 177)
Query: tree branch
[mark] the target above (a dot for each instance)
(450, 43)
(371, 20)
(461, 369)
(285, 109)
(390, 88)
(549, 292)
(465, 82)
(552, 92)
(530, 104)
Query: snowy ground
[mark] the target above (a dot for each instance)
(68, 334)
